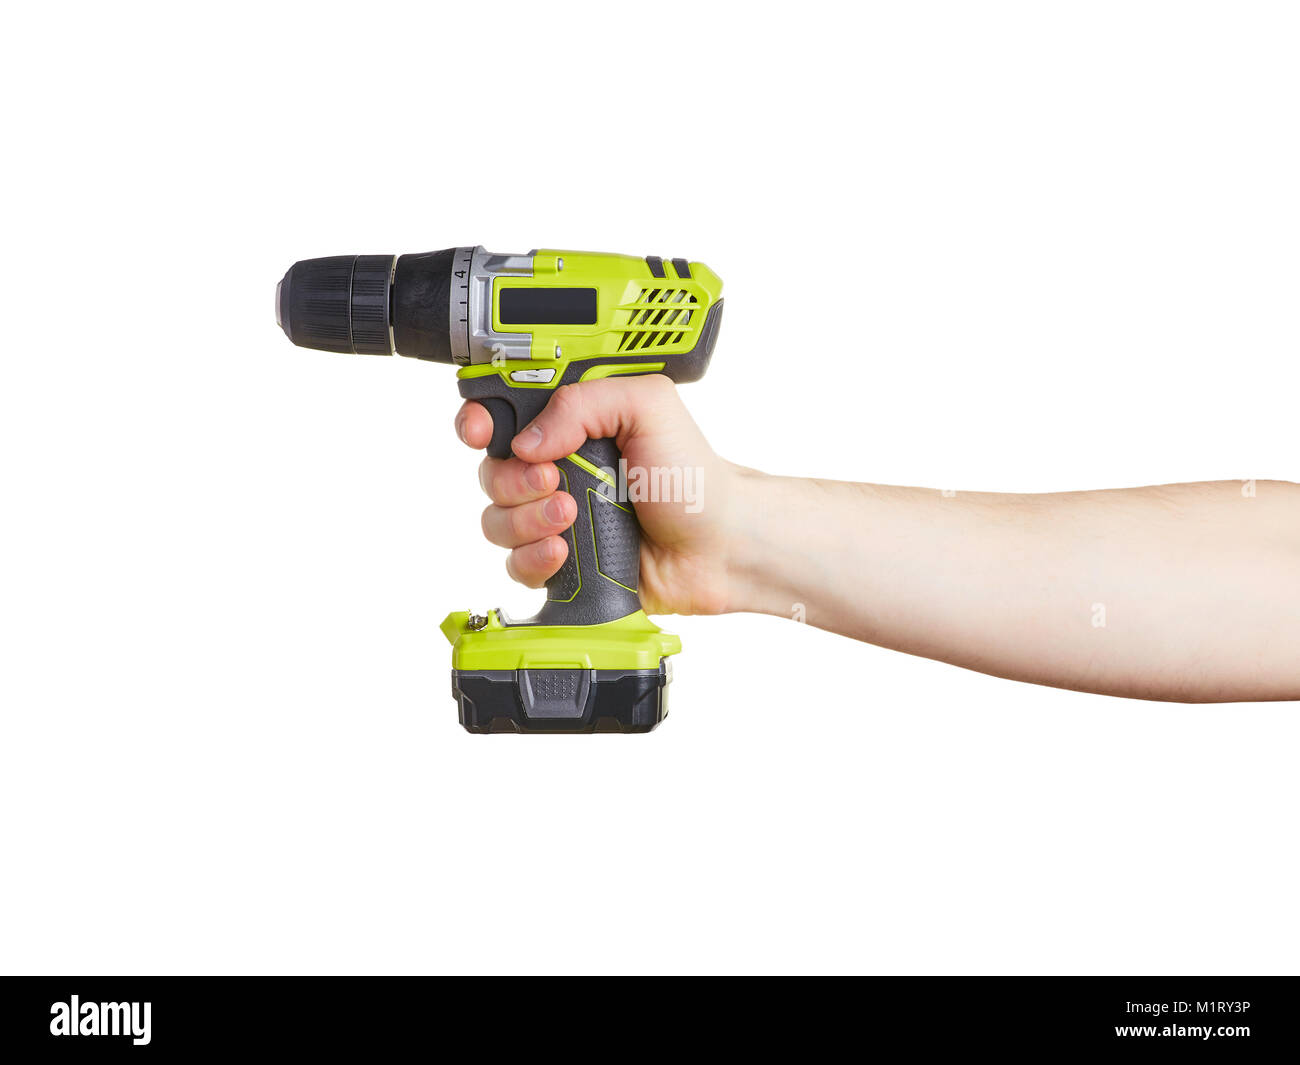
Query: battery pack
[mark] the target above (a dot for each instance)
(562, 700)
(524, 677)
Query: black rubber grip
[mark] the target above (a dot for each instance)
(503, 426)
(598, 581)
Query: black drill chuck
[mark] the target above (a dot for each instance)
(369, 304)
(339, 303)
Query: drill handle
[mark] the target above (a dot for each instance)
(599, 579)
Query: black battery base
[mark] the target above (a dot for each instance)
(561, 701)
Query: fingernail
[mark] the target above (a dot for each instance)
(529, 438)
(536, 478)
(460, 427)
(546, 550)
(482, 477)
(554, 510)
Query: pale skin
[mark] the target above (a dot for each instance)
(1182, 592)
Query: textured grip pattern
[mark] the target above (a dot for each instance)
(604, 546)
(618, 540)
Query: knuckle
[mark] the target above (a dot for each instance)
(519, 573)
(521, 521)
(524, 481)
(659, 385)
(568, 398)
(661, 391)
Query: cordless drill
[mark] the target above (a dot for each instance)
(518, 327)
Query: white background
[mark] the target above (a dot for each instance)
(1017, 247)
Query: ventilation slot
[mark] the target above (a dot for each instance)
(658, 317)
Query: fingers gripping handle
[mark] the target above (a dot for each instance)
(599, 579)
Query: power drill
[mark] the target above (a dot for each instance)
(518, 327)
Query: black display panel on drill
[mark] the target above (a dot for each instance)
(547, 306)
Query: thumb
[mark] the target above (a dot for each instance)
(588, 410)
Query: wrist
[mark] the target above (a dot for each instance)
(756, 541)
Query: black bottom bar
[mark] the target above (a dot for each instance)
(381, 1019)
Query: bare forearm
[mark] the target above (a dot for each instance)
(1187, 592)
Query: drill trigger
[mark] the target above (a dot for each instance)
(503, 426)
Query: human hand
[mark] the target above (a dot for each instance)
(684, 540)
